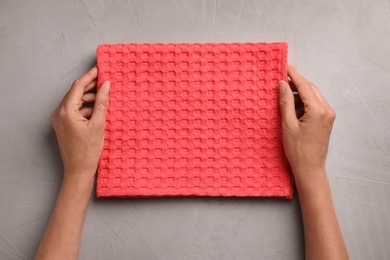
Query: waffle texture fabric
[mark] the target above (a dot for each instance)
(193, 120)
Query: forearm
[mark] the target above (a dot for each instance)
(323, 238)
(63, 234)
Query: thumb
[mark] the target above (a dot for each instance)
(101, 103)
(286, 104)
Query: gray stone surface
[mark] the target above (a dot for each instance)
(341, 45)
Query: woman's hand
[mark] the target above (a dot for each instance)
(305, 139)
(80, 133)
(305, 142)
(79, 126)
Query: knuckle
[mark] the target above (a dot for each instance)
(311, 84)
(53, 116)
(76, 82)
(103, 102)
(322, 112)
(283, 102)
(301, 82)
(62, 113)
(326, 113)
(319, 111)
(306, 81)
(332, 115)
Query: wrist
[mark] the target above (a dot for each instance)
(80, 178)
(311, 183)
(76, 187)
(81, 171)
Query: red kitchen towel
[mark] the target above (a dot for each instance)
(193, 120)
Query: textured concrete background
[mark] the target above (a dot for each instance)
(341, 45)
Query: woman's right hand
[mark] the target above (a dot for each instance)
(306, 139)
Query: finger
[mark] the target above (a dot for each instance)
(86, 112)
(295, 91)
(297, 98)
(299, 106)
(303, 86)
(292, 86)
(101, 104)
(320, 96)
(299, 111)
(90, 86)
(88, 98)
(286, 104)
(80, 85)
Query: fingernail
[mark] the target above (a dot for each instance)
(106, 87)
(282, 87)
